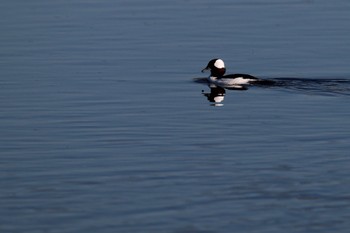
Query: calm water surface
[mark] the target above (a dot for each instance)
(104, 130)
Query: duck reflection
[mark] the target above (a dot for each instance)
(216, 95)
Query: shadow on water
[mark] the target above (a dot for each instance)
(325, 87)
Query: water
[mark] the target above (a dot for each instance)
(104, 130)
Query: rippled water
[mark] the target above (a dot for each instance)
(104, 130)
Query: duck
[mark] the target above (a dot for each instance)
(217, 75)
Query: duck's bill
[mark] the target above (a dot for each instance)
(205, 69)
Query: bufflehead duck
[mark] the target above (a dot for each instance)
(218, 77)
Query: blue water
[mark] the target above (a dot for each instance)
(104, 130)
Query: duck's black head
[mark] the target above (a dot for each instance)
(216, 67)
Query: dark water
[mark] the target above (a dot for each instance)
(104, 130)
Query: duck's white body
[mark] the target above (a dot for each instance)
(230, 80)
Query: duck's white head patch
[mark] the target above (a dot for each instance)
(219, 64)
